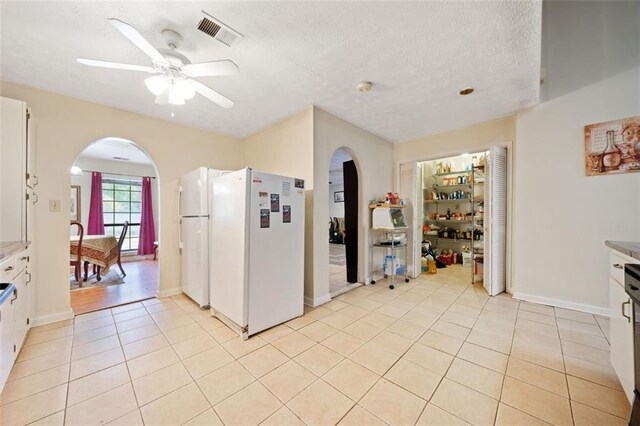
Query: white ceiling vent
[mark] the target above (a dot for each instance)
(221, 32)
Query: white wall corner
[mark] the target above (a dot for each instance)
(317, 301)
(591, 309)
(48, 319)
(169, 292)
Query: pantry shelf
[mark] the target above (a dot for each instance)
(461, 172)
(459, 240)
(459, 200)
(458, 186)
(447, 221)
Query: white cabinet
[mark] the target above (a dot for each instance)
(621, 320)
(20, 308)
(7, 354)
(15, 311)
(621, 324)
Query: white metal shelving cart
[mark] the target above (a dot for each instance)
(391, 239)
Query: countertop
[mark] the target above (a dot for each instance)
(7, 248)
(630, 248)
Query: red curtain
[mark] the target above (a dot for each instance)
(147, 226)
(96, 218)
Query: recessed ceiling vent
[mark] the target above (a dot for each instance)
(122, 158)
(221, 32)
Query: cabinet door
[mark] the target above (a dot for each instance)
(20, 308)
(6, 340)
(12, 169)
(622, 336)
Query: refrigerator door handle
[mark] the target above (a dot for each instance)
(180, 235)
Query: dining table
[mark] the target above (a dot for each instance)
(99, 250)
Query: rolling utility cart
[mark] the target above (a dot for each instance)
(388, 233)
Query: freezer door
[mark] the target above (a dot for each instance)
(228, 258)
(276, 251)
(195, 258)
(194, 193)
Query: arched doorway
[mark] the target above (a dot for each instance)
(343, 223)
(115, 200)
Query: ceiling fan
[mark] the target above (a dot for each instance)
(173, 82)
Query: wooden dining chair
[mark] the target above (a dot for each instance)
(123, 235)
(76, 260)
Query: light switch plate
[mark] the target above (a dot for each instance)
(54, 206)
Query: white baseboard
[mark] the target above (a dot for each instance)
(598, 310)
(48, 319)
(169, 292)
(136, 257)
(317, 301)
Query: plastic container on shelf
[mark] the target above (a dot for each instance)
(466, 260)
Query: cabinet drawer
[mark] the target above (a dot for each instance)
(8, 270)
(21, 260)
(616, 265)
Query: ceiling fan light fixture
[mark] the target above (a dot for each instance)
(157, 84)
(175, 97)
(183, 89)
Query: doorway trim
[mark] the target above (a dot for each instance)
(362, 229)
(157, 213)
(510, 202)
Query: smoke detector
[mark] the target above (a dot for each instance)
(364, 86)
(219, 31)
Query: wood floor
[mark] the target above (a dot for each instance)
(140, 283)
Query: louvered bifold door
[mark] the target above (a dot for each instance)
(495, 221)
(411, 189)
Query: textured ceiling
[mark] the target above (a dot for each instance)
(418, 55)
(107, 148)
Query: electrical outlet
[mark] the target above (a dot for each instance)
(54, 206)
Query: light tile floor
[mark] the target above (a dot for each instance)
(435, 351)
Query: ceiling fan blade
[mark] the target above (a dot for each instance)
(116, 65)
(215, 68)
(136, 38)
(211, 94)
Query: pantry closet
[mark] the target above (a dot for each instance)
(458, 207)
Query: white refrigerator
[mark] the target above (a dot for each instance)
(195, 205)
(257, 250)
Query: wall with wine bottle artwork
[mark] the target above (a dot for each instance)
(562, 215)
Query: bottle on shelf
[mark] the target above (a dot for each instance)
(448, 214)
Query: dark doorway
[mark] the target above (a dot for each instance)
(350, 175)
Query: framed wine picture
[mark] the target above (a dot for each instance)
(612, 147)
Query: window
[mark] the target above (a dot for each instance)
(121, 201)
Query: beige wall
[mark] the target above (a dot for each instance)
(466, 139)
(286, 148)
(374, 160)
(64, 127)
(302, 145)
(562, 216)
